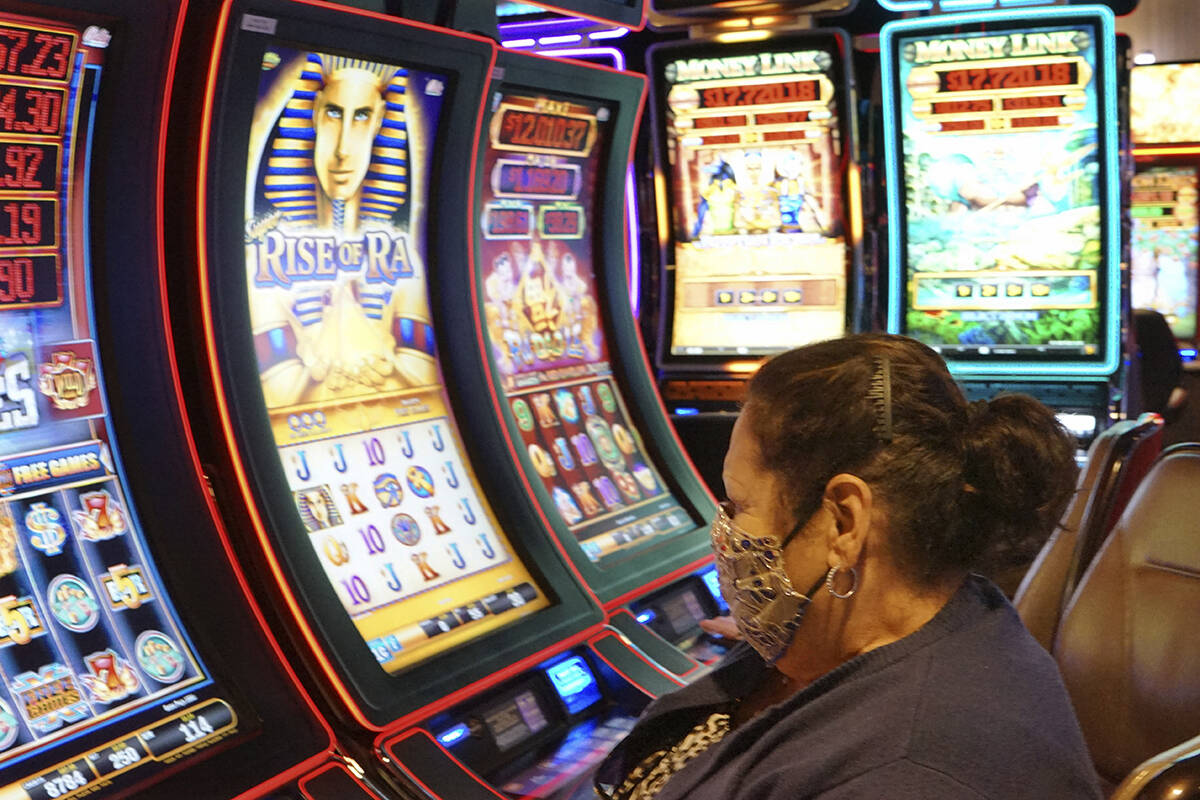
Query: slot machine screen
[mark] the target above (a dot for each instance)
(100, 685)
(1165, 250)
(1156, 93)
(1002, 231)
(753, 148)
(546, 335)
(340, 153)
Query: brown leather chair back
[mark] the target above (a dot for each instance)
(1127, 644)
(1051, 578)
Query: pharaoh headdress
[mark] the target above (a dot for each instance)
(291, 181)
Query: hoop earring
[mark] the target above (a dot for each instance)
(833, 571)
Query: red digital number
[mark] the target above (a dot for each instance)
(43, 110)
(22, 163)
(24, 224)
(13, 42)
(16, 280)
(50, 61)
(562, 222)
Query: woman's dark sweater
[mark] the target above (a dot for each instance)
(969, 706)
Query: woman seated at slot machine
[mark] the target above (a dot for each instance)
(863, 490)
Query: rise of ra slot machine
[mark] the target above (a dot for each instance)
(754, 150)
(543, 322)
(1003, 226)
(336, 279)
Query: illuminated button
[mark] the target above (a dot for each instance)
(769, 296)
(964, 289)
(793, 295)
(747, 296)
(1014, 289)
(455, 734)
(724, 297)
(989, 290)
(1040, 290)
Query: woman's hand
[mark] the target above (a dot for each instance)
(721, 626)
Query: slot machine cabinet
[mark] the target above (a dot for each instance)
(543, 340)
(409, 569)
(575, 402)
(1007, 265)
(134, 662)
(1166, 149)
(759, 216)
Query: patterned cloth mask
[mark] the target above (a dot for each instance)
(761, 598)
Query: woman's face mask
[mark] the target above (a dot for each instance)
(761, 598)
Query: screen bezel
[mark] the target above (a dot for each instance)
(837, 43)
(1106, 360)
(379, 697)
(639, 567)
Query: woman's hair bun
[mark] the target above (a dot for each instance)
(1019, 473)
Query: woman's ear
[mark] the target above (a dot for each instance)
(849, 500)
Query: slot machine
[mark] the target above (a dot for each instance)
(1165, 193)
(759, 216)
(575, 397)
(1004, 247)
(447, 636)
(132, 660)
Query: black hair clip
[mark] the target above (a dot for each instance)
(880, 394)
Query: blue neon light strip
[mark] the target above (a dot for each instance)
(1103, 18)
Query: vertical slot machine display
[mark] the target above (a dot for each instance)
(759, 216)
(753, 142)
(575, 399)
(452, 643)
(114, 678)
(1166, 191)
(1003, 208)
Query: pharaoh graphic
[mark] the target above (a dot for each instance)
(540, 307)
(337, 295)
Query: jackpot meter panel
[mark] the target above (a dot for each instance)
(1003, 240)
(753, 141)
(544, 326)
(100, 685)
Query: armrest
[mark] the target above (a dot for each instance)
(1171, 775)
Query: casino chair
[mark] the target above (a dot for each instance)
(1127, 645)
(1117, 460)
